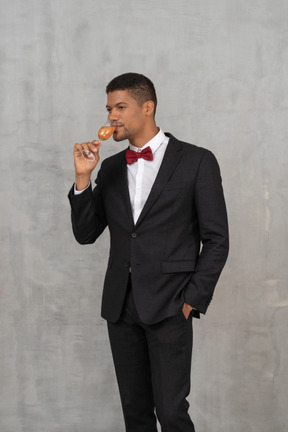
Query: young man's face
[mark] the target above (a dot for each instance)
(126, 115)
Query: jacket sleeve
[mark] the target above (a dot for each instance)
(87, 213)
(213, 229)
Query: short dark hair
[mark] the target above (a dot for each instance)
(140, 87)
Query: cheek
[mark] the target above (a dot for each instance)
(136, 122)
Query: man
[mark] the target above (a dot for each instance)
(166, 214)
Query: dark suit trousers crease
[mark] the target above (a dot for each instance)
(153, 365)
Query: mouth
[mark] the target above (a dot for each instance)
(116, 126)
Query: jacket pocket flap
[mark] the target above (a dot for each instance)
(178, 266)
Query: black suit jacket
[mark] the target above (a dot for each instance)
(179, 245)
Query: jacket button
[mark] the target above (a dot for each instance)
(134, 235)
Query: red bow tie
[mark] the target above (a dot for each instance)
(132, 156)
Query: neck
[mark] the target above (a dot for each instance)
(145, 137)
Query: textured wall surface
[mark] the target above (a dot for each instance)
(221, 73)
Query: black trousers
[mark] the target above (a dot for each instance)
(153, 365)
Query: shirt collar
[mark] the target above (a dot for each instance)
(154, 143)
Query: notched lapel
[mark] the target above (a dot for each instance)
(170, 161)
(122, 181)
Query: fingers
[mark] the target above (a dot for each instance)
(84, 162)
(93, 146)
(186, 310)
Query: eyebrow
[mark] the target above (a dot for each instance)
(119, 103)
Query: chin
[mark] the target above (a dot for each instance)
(119, 137)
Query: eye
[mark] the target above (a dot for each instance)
(108, 110)
(122, 107)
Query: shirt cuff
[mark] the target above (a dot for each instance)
(77, 192)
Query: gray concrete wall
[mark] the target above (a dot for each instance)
(220, 68)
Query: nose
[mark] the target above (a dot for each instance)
(112, 116)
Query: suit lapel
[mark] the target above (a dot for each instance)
(123, 184)
(170, 161)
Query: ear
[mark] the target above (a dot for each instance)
(149, 108)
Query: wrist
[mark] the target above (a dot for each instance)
(81, 182)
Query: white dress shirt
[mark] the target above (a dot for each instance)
(142, 173)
